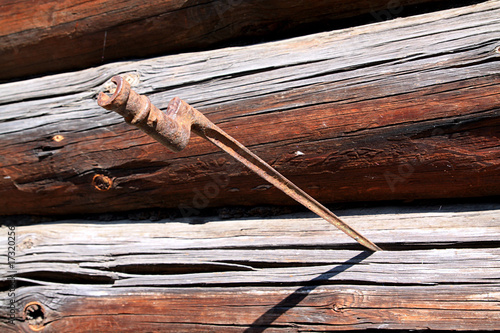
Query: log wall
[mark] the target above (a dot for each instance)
(439, 270)
(398, 110)
(404, 109)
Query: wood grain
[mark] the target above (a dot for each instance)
(49, 36)
(399, 110)
(291, 273)
(270, 309)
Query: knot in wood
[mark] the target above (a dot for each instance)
(336, 307)
(34, 314)
(58, 138)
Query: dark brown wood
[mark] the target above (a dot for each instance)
(55, 35)
(292, 273)
(403, 110)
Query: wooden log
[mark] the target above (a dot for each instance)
(400, 110)
(273, 309)
(52, 35)
(439, 270)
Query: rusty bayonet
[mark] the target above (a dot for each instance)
(173, 127)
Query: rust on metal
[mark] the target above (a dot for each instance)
(173, 127)
(102, 182)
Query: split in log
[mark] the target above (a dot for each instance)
(291, 273)
(62, 35)
(399, 110)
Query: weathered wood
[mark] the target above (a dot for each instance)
(273, 309)
(65, 35)
(290, 273)
(404, 109)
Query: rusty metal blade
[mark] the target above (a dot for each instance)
(172, 128)
(231, 146)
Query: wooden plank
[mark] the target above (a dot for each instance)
(273, 309)
(50, 36)
(291, 273)
(352, 115)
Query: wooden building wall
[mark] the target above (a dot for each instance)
(293, 273)
(104, 230)
(399, 110)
